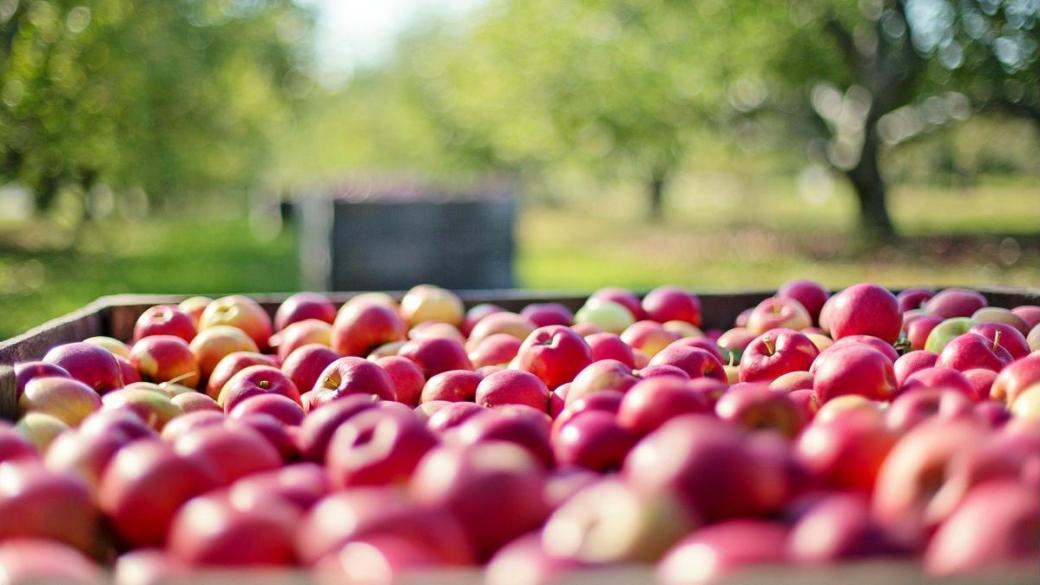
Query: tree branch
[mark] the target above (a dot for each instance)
(846, 43)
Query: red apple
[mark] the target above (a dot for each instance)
(499, 348)
(256, 381)
(299, 334)
(555, 354)
(147, 567)
(598, 377)
(299, 486)
(545, 314)
(14, 446)
(981, 381)
(377, 447)
(1028, 313)
(143, 487)
(775, 353)
(756, 406)
(855, 369)
(302, 306)
(607, 346)
(970, 351)
(661, 370)
(68, 400)
(846, 451)
(512, 387)
(734, 342)
(347, 376)
(187, 423)
(918, 330)
(671, 303)
(839, 527)
(916, 405)
(809, 293)
(407, 378)
(870, 341)
(241, 312)
(791, 381)
(594, 441)
(452, 386)
(806, 401)
(362, 327)
(30, 560)
(696, 362)
(154, 408)
(193, 307)
(165, 358)
(452, 415)
(164, 320)
(955, 302)
(305, 365)
(431, 303)
(520, 425)
(232, 364)
(85, 454)
(1002, 316)
(701, 342)
(211, 345)
(232, 451)
(436, 354)
(319, 425)
(939, 377)
(282, 408)
(26, 371)
(606, 401)
(524, 561)
(208, 531)
(1016, 378)
(94, 366)
(865, 309)
(500, 323)
(476, 313)
(913, 298)
(719, 551)
(1005, 336)
(648, 337)
(912, 362)
(495, 490)
(36, 502)
(778, 313)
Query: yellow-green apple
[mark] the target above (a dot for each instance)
(723, 550)
(839, 527)
(256, 381)
(608, 346)
(500, 323)
(545, 314)
(496, 491)
(775, 353)
(305, 365)
(431, 303)
(809, 293)
(194, 307)
(955, 302)
(919, 328)
(195, 401)
(512, 387)
(451, 386)
(241, 312)
(377, 447)
(39, 503)
(610, 522)
(209, 532)
(302, 306)
(672, 303)
(855, 369)
(913, 298)
(154, 408)
(318, 426)
(436, 354)
(407, 378)
(68, 400)
(299, 334)
(682, 328)
(1016, 378)
(233, 451)
(939, 377)
(40, 429)
(555, 354)
(113, 345)
(165, 358)
(214, 343)
(33, 560)
(648, 337)
(865, 309)
(499, 348)
(474, 315)
(972, 350)
(757, 406)
(93, 365)
(347, 376)
(607, 315)
(361, 327)
(695, 361)
(623, 297)
(911, 362)
(594, 441)
(25, 371)
(777, 313)
(1005, 336)
(600, 376)
(164, 320)
(453, 414)
(1002, 316)
(232, 364)
(916, 405)
(520, 425)
(791, 381)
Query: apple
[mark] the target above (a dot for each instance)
(708, 465)
(165, 358)
(164, 320)
(477, 312)
(208, 531)
(26, 371)
(68, 400)
(347, 376)
(756, 406)
(496, 491)
(241, 312)
(955, 302)
(1002, 316)
(939, 377)
(147, 567)
(993, 529)
(436, 355)
(734, 341)
(431, 303)
(846, 451)
(194, 307)
(607, 315)
(302, 306)
(565, 482)
(606, 401)
(232, 451)
(36, 502)
(113, 345)
(608, 346)
(660, 370)
(452, 415)
(913, 298)
(319, 425)
(232, 364)
(672, 303)
(195, 402)
(524, 561)
(144, 485)
(154, 408)
(778, 313)
(500, 323)
(279, 406)
(128, 372)
(85, 454)
(839, 405)
(299, 334)
(407, 378)
(912, 362)
(855, 369)
(298, 486)
(522, 426)
(916, 405)
(545, 314)
(594, 441)
(840, 527)
(377, 447)
(945, 332)
(303, 366)
(809, 293)
(741, 319)
(1016, 378)
(719, 551)
(256, 381)
(14, 446)
(452, 386)
(971, 350)
(806, 401)
(918, 330)
(40, 429)
(1005, 336)
(868, 340)
(700, 342)
(696, 362)
(792, 381)
(94, 366)
(865, 309)
(1033, 339)
(184, 424)
(1027, 405)
(598, 377)
(623, 297)
(611, 522)
(775, 353)
(512, 387)
(361, 327)
(648, 337)
(555, 354)
(31, 560)
(586, 329)
(211, 345)
(981, 381)
(682, 329)
(499, 348)
(1028, 313)
(115, 423)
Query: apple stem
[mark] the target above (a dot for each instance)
(732, 358)
(178, 378)
(770, 347)
(996, 339)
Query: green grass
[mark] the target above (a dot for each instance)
(719, 235)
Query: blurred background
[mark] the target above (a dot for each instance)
(209, 146)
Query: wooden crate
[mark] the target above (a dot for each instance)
(115, 316)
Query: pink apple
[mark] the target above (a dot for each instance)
(545, 314)
(347, 376)
(719, 551)
(208, 531)
(283, 408)
(913, 298)
(806, 401)
(303, 366)
(598, 377)
(525, 560)
(520, 425)
(981, 381)
(791, 381)
(506, 323)
(775, 353)
(302, 306)
(452, 415)
(164, 320)
(594, 441)
(865, 309)
(555, 354)
(319, 425)
(939, 377)
(299, 334)
(165, 358)
(496, 349)
(36, 502)
(756, 406)
(916, 405)
(955, 302)
(672, 303)
(648, 337)
(147, 567)
(194, 402)
(1016, 378)
(377, 447)
(32, 560)
(868, 340)
(696, 362)
(435, 355)
(912, 362)
(846, 451)
(232, 451)
(840, 527)
(1028, 313)
(918, 330)
(232, 364)
(241, 312)
(1002, 316)
(361, 327)
(513, 387)
(855, 369)
(477, 312)
(407, 378)
(256, 381)
(971, 350)
(809, 293)
(94, 366)
(452, 386)
(299, 485)
(1005, 336)
(14, 446)
(778, 313)
(608, 346)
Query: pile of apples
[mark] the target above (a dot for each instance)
(384, 439)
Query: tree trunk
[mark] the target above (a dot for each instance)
(874, 220)
(655, 190)
(46, 192)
